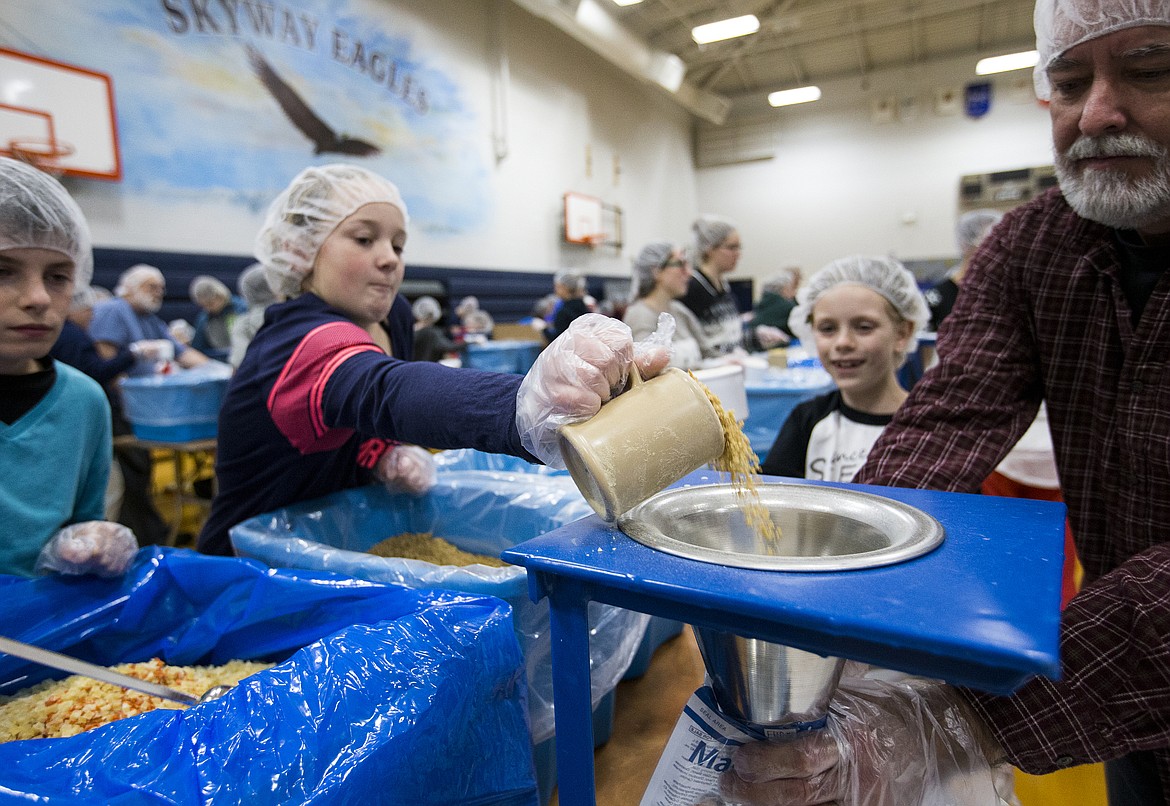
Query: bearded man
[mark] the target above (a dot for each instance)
(131, 320)
(132, 317)
(1067, 301)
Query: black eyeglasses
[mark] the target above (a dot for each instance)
(674, 264)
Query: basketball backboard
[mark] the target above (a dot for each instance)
(58, 116)
(582, 218)
(589, 220)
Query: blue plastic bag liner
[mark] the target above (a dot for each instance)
(658, 630)
(471, 459)
(382, 694)
(477, 511)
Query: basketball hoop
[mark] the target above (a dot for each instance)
(42, 154)
(595, 240)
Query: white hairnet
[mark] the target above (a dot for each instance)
(426, 309)
(782, 279)
(306, 213)
(1064, 24)
(883, 275)
(710, 231)
(466, 306)
(652, 258)
(253, 286)
(204, 287)
(135, 276)
(37, 212)
(571, 279)
(973, 226)
(479, 321)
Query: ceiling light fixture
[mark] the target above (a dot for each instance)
(1002, 64)
(626, 2)
(800, 95)
(725, 29)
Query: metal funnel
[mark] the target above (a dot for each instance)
(767, 684)
(823, 529)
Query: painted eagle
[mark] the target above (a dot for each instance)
(325, 140)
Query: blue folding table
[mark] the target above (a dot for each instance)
(981, 610)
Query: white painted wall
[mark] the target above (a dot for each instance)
(838, 183)
(561, 100)
(842, 184)
(564, 103)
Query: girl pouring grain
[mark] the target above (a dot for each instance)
(326, 398)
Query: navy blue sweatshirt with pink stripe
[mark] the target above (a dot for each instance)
(315, 403)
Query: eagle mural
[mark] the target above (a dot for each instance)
(325, 140)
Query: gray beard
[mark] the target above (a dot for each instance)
(1112, 198)
(147, 305)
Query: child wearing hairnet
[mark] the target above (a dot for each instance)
(326, 397)
(55, 442)
(862, 314)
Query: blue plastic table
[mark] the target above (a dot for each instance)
(981, 610)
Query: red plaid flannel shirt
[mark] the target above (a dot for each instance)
(1041, 315)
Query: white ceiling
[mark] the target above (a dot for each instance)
(807, 41)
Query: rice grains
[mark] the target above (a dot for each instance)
(58, 708)
(741, 463)
(425, 546)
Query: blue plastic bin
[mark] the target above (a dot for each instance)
(178, 407)
(478, 511)
(504, 355)
(801, 357)
(381, 694)
(772, 395)
(544, 753)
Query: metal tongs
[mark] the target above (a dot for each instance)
(66, 663)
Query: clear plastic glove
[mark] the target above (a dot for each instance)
(582, 368)
(103, 548)
(769, 336)
(153, 350)
(900, 743)
(182, 331)
(407, 469)
(661, 339)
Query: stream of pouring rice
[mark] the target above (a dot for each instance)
(740, 461)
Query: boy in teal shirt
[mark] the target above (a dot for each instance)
(55, 443)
